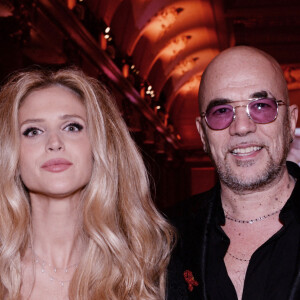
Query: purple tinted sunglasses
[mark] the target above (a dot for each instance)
(261, 111)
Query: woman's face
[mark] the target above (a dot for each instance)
(55, 155)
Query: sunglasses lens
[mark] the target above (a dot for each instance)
(263, 110)
(219, 117)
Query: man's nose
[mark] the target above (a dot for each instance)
(242, 124)
(54, 143)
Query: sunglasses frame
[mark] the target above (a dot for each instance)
(251, 100)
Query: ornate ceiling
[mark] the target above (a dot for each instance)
(152, 51)
(169, 43)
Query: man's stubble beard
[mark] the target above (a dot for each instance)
(271, 171)
(239, 183)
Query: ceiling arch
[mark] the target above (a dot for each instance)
(190, 52)
(174, 49)
(169, 43)
(185, 73)
(130, 18)
(170, 31)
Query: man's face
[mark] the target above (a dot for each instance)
(247, 155)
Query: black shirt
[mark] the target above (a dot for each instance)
(273, 269)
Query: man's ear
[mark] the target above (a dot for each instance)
(293, 111)
(202, 133)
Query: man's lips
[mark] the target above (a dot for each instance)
(245, 150)
(56, 165)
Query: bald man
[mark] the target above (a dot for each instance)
(241, 240)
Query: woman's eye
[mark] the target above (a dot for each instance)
(73, 127)
(32, 131)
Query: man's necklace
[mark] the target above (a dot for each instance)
(228, 217)
(237, 258)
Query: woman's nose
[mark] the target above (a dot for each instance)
(55, 143)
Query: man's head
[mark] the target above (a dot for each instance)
(247, 154)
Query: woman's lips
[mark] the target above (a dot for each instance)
(56, 165)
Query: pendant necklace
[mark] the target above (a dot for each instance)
(49, 269)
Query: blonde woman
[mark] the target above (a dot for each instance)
(76, 217)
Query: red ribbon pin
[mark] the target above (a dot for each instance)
(189, 278)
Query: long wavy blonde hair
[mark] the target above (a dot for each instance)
(128, 241)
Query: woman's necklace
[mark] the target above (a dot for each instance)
(52, 271)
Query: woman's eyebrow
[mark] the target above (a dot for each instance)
(32, 121)
(63, 117)
(67, 116)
